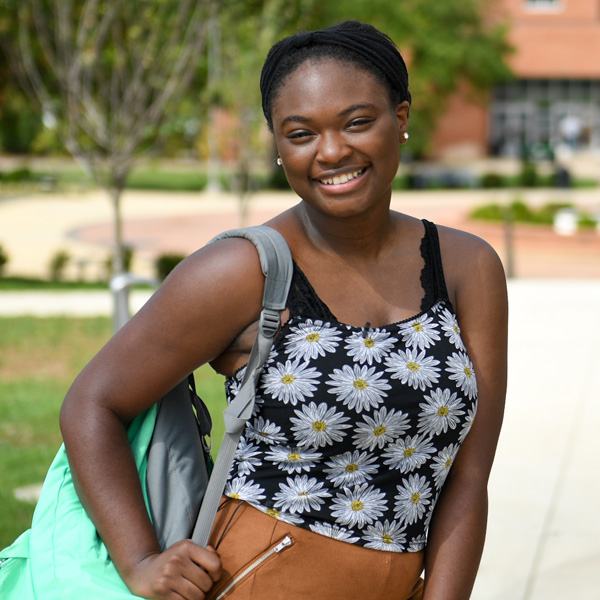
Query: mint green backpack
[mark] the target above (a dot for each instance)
(62, 557)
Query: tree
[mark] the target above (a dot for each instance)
(108, 72)
(443, 43)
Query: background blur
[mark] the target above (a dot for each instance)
(131, 133)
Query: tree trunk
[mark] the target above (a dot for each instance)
(118, 262)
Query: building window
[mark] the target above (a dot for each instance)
(543, 5)
(543, 116)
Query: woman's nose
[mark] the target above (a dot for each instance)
(333, 148)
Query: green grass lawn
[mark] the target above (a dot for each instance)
(39, 358)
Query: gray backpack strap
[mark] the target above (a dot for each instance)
(276, 264)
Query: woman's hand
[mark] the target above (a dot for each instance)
(185, 570)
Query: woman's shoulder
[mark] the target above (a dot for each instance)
(469, 263)
(459, 244)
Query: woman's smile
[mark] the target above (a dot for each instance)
(342, 182)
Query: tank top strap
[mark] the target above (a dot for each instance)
(432, 275)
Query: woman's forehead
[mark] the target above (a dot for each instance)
(327, 82)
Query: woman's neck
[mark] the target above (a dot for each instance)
(364, 236)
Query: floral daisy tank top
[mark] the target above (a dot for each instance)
(355, 429)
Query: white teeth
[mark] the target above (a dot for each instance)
(342, 178)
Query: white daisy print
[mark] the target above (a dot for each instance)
(262, 430)
(359, 506)
(461, 367)
(385, 536)
(318, 425)
(420, 332)
(413, 368)
(292, 460)
(412, 499)
(409, 453)
(246, 456)
(440, 411)
(417, 543)
(300, 494)
(311, 339)
(292, 382)
(358, 387)
(351, 468)
(468, 423)
(369, 347)
(282, 516)
(334, 531)
(380, 429)
(442, 462)
(451, 328)
(240, 489)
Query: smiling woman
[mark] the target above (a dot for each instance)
(363, 463)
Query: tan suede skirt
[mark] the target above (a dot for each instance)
(266, 559)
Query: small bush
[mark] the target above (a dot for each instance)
(16, 176)
(528, 177)
(165, 263)
(278, 180)
(58, 264)
(492, 180)
(3, 260)
(519, 211)
(127, 260)
(488, 212)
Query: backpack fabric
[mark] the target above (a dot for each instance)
(61, 557)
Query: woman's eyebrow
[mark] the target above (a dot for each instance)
(343, 113)
(298, 118)
(354, 107)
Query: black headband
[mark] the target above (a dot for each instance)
(375, 47)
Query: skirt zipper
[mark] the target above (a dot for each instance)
(287, 541)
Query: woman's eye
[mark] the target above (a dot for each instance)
(296, 135)
(360, 122)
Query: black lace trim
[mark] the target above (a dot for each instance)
(432, 276)
(427, 274)
(303, 301)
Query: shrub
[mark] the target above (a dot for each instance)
(277, 180)
(3, 260)
(165, 263)
(519, 211)
(492, 180)
(58, 263)
(127, 260)
(528, 177)
(488, 212)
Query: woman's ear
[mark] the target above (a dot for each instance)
(402, 119)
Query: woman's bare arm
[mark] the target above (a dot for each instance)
(457, 531)
(198, 311)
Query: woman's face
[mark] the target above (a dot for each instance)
(338, 136)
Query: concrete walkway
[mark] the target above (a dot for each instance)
(544, 532)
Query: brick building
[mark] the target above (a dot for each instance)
(554, 100)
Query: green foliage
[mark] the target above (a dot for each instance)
(28, 283)
(492, 180)
(519, 212)
(58, 263)
(165, 263)
(3, 260)
(127, 254)
(528, 177)
(488, 212)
